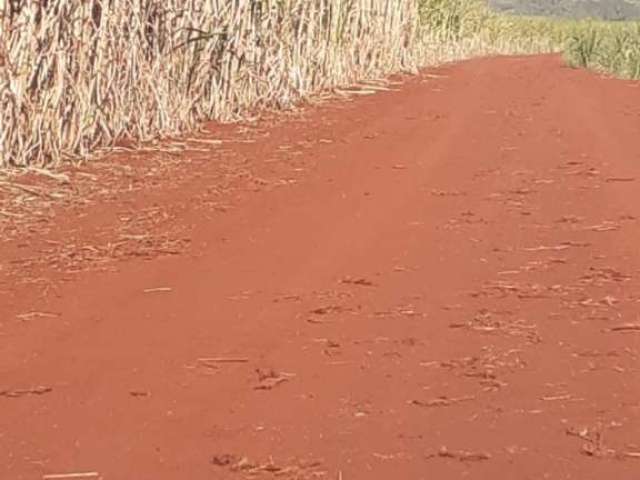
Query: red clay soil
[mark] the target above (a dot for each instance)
(436, 282)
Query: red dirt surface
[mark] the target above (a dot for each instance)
(436, 282)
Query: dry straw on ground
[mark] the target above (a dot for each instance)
(79, 75)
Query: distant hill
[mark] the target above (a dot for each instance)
(605, 9)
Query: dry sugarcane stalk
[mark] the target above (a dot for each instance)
(78, 75)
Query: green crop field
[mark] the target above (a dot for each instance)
(587, 41)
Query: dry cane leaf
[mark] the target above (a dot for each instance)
(22, 393)
(441, 401)
(461, 455)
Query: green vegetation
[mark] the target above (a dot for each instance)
(606, 46)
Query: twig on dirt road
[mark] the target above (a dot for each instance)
(223, 360)
(204, 140)
(595, 445)
(604, 227)
(158, 290)
(556, 398)
(29, 315)
(33, 191)
(24, 392)
(442, 401)
(269, 379)
(241, 464)
(461, 455)
(59, 177)
(11, 214)
(562, 246)
(625, 327)
(620, 179)
(543, 248)
(68, 476)
(358, 281)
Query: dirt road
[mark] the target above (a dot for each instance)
(436, 282)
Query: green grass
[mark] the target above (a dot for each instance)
(612, 47)
(607, 47)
